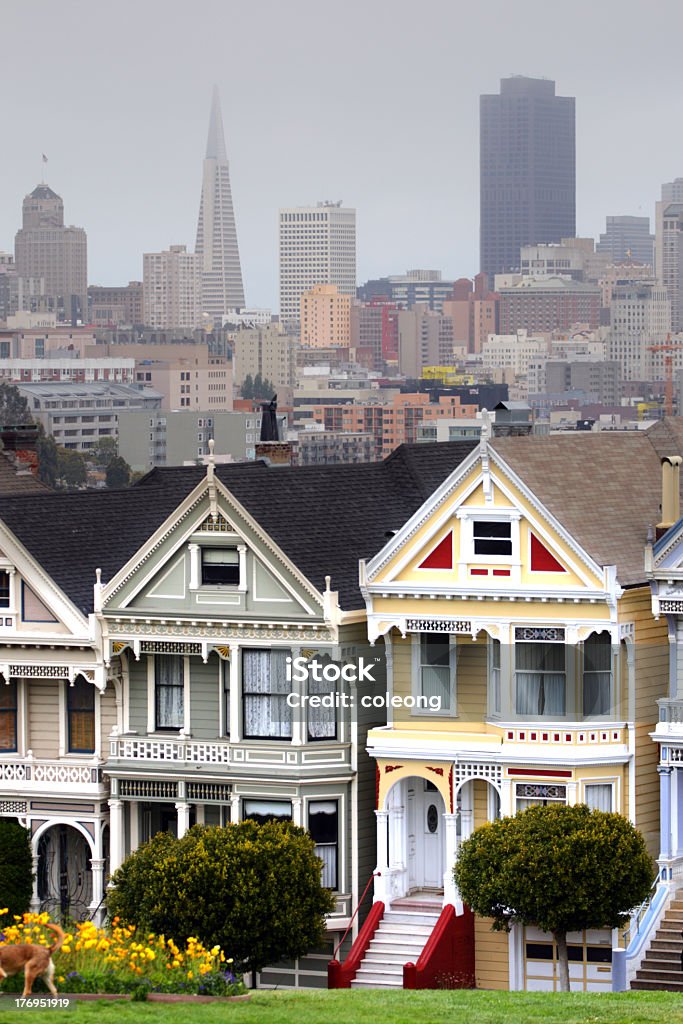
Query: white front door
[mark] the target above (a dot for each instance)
(425, 835)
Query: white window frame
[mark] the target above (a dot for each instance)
(151, 699)
(416, 675)
(337, 798)
(493, 711)
(570, 686)
(614, 675)
(589, 783)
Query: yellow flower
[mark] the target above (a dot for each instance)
(190, 975)
(60, 979)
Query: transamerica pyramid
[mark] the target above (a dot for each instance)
(222, 287)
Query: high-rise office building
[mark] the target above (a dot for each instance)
(317, 245)
(527, 170)
(222, 287)
(56, 256)
(626, 239)
(669, 247)
(171, 284)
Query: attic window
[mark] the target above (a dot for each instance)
(220, 566)
(492, 538)
(4, 589)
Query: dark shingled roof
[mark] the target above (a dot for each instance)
(323, 517)
(604, 488)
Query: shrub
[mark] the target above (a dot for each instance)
(16, 866)
(253, 889)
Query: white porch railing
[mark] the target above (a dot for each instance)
(33, 775)
(194, 751)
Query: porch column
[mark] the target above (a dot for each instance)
(35, 900)
(97, 911)
(665, 815)
(297, 811)
(382, 889)
(450, 892)
(183, 809)
(116, 835)
(234, 809)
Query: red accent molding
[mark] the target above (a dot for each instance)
(437, 771)
(447, 960)
(391, 768)
(479, 572)
(341, 975)
(501, 572)
(441, 557)
(543, 560)
(450, 786)
(543, 772)
(377, 781)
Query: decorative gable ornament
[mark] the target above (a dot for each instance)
(441, 557)
(543, 560)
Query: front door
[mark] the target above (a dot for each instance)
(425, 835)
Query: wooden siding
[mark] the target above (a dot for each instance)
(491, 955)
(43, 716)
(204, 703)
(652, 682)
(107, 717)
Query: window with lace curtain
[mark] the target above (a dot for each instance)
(323, 825)
(540, 679)
(435, 671)
(169, 691)
(322, 722)
(265, 688)
(597, 675)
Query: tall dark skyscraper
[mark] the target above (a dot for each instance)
(527, 170)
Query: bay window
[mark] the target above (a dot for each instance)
(8, 716)
(80, 706)
(435, 672)
(540, 679)
(597, 675)
(323, 825)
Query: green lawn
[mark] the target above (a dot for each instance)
(350, 1007)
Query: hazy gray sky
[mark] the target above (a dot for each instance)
(371, 101)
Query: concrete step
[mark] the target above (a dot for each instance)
(650, 974)
(396, 928)
(380, 977)
(666, 963)
(372, 956)
(406, 952)
(657, 953)
(654, 986)
(666, 945)
(366, 983)
(408, 917)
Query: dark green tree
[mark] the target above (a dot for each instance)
(253, 889)
(48, 457)
(103, 451)
(14, 410)
(247, 389)
(16, 866)
(118, 473)
(559, 868)
(71, 468)
(262, 387)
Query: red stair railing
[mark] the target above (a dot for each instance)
(447, 960)
(341, 975)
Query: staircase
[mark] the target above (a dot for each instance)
(661, 967)
(401, 937)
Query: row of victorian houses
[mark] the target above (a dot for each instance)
(519, 602)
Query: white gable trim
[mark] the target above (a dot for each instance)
(441, 496)
(46, 589)
(229, 506)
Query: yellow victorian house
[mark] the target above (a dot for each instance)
(524, 666)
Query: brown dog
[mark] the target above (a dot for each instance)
(36, 961)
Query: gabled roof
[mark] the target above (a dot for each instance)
(324, 518)
(604, 488)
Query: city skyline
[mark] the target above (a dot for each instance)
(297, 135)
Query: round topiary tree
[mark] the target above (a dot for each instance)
(16, 866)
(559, 868)
(252, 889)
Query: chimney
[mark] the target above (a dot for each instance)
(671, 473)
(19, 445)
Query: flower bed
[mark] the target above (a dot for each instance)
(121, 959)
